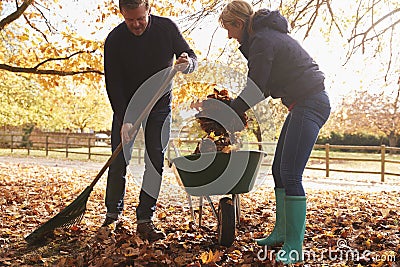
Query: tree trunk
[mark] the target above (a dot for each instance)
(392, 140)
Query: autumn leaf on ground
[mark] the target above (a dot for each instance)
(33, 193)
(210, 257)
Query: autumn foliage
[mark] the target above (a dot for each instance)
(217, 137)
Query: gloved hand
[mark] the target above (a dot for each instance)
(237, 123)
(216, 115)
(239, 117)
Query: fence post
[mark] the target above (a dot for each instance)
(327, 159)
(12, 143)
(89, 148)
(66, 146)
(47, 145)
(139, 155)
(383, 153)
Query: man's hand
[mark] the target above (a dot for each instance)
(182, 63)
(127, 133)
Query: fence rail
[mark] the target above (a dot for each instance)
(382, 150)
(92, 146)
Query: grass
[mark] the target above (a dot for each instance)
(98, 154)
(80, 154)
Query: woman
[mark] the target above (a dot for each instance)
(281, 68)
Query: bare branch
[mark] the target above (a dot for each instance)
(15, 15)
(353, 32)
(313, 10)
(49, 26)
(63, 58)
(212, 38)
(47, 72)
(328, 4)
(313, 18)
(196, 18)
(355, 45)
(365, 40)
(374, 24)
(35, 28)
(303, 10)
(390, 55)
(36, 70)
(223, 50)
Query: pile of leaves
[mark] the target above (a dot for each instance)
(217, 138)
(367, 223)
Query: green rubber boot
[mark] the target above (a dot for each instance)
(295, 211)
(277, 236)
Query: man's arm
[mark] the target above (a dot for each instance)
(181, 46)
(113, 78)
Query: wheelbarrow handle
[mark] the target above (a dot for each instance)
(137, 123)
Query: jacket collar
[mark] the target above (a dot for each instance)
(245, 44)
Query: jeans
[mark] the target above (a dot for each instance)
(156, 133)
(296, 141)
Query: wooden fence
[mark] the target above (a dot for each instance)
(381, 150)
(89, 146)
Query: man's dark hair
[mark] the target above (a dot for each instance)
(131, 4)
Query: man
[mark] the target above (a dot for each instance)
(138, 48)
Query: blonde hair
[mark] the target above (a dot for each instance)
(235, 11)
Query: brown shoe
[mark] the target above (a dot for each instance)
(110, 221)
(149, 232)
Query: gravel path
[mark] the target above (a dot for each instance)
(63, 163)
(312, 180)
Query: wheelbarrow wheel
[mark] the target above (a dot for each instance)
(226, 226)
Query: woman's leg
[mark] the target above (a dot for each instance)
(277, 236)
(306, 120)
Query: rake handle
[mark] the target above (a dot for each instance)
(136, 125)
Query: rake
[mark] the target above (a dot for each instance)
(74, 212)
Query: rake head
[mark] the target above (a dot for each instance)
(70, 215)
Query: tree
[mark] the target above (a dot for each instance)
(373, 113)
(21, 102)
(89, 111)
(363, 23)
(43, 44)
(70, 105)
(44, 52)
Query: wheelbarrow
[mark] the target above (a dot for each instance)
(218, 173)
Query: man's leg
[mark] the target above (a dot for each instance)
(115, 190)
(157, 130)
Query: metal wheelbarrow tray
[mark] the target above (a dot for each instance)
(218, 173)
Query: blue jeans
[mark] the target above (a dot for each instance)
(156, 133)
(296, 141)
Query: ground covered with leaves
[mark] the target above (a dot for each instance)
(344, 227)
